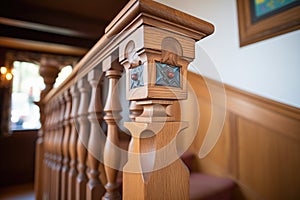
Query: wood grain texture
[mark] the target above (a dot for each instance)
(153, 178)
(258, 147)
(152, 8)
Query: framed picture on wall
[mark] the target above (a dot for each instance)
(263, 19)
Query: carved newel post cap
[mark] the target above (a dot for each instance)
(157, 49)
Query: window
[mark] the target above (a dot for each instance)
(62, 75)
(26, 90)
(27, 86)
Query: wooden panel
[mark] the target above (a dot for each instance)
(259, 145)
(269, 161)
(17, 157)
(198, 88)
(217, 162)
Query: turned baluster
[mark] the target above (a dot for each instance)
(50, 150)
(40, 173)
(84, 132)
(113, 72)
(58, 148)
(96, 143)
(53, 156)
(65, 146)
(49, 73)
(47, 140)
(73, 143)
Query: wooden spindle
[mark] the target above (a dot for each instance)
(49, 73)
(53, 156)
(47, 139)
(96, 143)
(84, 132)
(73, 143)
(40, 172)
(65, 146)
(58, 147)
(51, 149)
(112, 109)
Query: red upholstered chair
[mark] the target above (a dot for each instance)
(207, 187)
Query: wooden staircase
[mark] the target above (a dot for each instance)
(79, 154)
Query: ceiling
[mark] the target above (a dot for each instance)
(73, 23)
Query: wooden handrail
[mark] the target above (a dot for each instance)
(153, 45)
(132, 12)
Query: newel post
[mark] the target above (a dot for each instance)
(155, 53)
(155, 80)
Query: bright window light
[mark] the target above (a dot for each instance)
(27, 86)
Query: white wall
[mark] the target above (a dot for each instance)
(270, 68)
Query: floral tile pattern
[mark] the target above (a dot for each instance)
(167, 75)
(136, 77)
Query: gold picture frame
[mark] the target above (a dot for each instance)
(273, 24)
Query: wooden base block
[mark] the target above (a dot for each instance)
(160, 174)
(171, 183)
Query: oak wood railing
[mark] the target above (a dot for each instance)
(152, 45)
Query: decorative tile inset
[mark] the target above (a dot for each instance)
(167, 75)
(136, 77)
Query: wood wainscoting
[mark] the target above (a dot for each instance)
(259, 145)
(17, 153)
